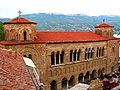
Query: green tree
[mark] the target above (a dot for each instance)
(1, 31)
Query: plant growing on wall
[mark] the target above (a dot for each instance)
(1, 31)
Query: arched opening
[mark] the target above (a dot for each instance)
(71, 82)
(30, 56)
(93, 75)
(64, 84)
(62, 57)
(86, 77)
(52, 58)
(57, 58)
(53, 85)
(103, 71)
(71, 52)
(75, 52)
(80, 78)
(25, 35)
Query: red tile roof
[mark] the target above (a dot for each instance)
(20, 20)
(13, 72)
(69, 36)
(103, 25)
(58, 37)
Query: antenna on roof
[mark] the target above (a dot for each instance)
(19, 12)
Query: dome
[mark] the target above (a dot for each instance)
(20, 20)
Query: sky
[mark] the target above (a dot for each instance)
(10, 8)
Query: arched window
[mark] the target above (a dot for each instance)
(24, 55)
(30, 56)
(78, 55)
(57, 58)
(103, 51)
(62, 57)
(100, 52)
(89, 53)
(52, 58)
(71, 52)
(97, 54)
(25, 35)
(75, 52)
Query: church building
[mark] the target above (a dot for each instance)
(64, 59)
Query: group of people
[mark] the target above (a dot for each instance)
(111, 80)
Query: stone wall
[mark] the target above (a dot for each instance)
(16, 31)
(41, 56)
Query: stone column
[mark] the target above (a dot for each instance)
(95, 52)
(55, 57)
(59, 59)
(83, 79)
(82, 56)
(59, 85)
(67, 84)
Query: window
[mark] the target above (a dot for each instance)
(103, 51)
(89, 53)
(24, 55)
(57, 58)
(97, 54)
(78, 55)
(52, 58)
(100, 52)
(71, 52)
(86, 53)
(75, 52)
(30, 56)
(62, 57)
(25, 35)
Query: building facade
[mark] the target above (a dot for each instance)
(64, 58)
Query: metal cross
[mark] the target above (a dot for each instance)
(19, 12)
(103, 20)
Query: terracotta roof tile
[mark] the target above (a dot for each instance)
(20, 20)
(58, 37)
(13, 72)
(69, 36)
(103, 25)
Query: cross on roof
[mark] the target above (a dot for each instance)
(19, 12)
(103, 20)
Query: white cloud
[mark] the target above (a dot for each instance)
(9, 8)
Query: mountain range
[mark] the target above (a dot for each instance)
(75, 22)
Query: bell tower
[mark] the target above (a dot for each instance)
(105, 30)
(20, 29)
